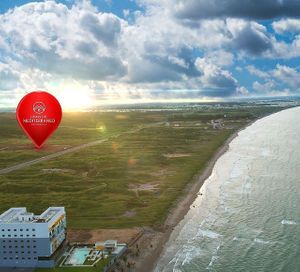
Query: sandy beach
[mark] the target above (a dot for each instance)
(151, 243)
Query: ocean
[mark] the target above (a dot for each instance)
(247, 214)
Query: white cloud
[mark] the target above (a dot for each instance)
(72, 41)
(288, 75)
(270, 88)
(220, 58)
(46, 42)
(287, 25)
(266, 87)
(257, 72)
(282, 75)
(242, 91)
(9, 78)
(220, 82)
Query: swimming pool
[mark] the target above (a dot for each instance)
(78, 256)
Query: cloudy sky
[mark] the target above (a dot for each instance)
(111, 51)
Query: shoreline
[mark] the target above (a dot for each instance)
(158, 239)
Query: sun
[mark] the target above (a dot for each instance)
(75, 97)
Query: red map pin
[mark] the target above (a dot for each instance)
(39, 115)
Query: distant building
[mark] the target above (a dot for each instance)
(110, 245)
(28, 240)
(216, 124)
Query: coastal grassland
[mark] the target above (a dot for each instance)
(84, 127)
(75, 129)
(130, 180)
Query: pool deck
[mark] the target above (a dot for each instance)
(78, 256)
(88, 255)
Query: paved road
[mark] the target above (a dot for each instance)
(72, 149)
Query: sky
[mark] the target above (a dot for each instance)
(94, 52)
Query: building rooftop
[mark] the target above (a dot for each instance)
(110, 243)
(20, 215)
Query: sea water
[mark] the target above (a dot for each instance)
(247, 214)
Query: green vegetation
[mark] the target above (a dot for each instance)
(98, 267)
(130, 180)
(70, 269)
(75, 129)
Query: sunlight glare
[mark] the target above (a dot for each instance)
(75, 97)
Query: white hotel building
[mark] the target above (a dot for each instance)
(28, 240)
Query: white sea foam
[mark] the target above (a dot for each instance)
(235, 172)
(265, 152)
(231, 210)
(239, 239)
(213, 259)
(187, 259)
(288, 222)
(208, 233)
(261, 241)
